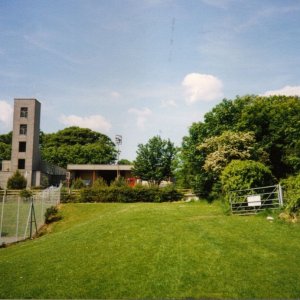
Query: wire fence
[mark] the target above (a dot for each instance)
(21, 218)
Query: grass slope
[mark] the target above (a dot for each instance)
(167, 250)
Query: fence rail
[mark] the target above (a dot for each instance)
(252, 201)
(20, 218)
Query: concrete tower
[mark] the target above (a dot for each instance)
(25, 155)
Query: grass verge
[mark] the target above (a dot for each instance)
(147, 250)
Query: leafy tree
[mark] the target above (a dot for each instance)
(154, 160)
(275, 122)
(124, 162)
(17, 181)
(228, 146)
(78, 146)
(5, 146)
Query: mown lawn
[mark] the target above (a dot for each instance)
(166, 250)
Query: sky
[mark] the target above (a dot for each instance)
(142, 68)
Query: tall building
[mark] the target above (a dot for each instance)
(25, 155)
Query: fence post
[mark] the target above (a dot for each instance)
(2, 212)
(280, 195)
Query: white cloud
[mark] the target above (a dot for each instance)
(168, 103)
(287, 91)
(95, 122)
(6, 115)
(142, 116)
(202, 87)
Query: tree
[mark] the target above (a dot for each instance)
(77, 146)
(124, 161)
(221, 150)
(154, 160)
(5, 146)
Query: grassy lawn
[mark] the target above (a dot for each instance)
(167, 250)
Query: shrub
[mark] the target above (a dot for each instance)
(99, 182)
(17, 181)
(78, 184)
(126, 194)
(291, 187)
(26, 193)
(52, 215)
(246, 174)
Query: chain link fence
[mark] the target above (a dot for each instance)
(21, 218)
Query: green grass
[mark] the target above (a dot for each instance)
(166, 250)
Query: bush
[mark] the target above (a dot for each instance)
(246, 174)
(26, 193)
(126, 194)
(17, 181)
(78, 184)
(291, 187)
(52, 215)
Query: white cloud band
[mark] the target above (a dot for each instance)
(95, 122)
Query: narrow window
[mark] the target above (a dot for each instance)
(22, 146)
(24, 112)
(23, 129)
(21, 164)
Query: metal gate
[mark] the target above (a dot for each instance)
(252, 201)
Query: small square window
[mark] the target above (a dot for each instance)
(24, 112)
(22, 146)
(23, 129)
(21, 164)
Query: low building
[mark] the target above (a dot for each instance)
(89, 173)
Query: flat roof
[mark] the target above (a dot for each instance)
(91, 167)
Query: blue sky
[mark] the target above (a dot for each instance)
(141, 68)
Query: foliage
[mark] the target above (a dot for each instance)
(240, 175)
(154, 160)
(99, 182)
(126, 194)
(17, 181)
(5, 147)
(275, 123)
(25, 193)
(124, 162)
(52, 215)
(119, 182)
(228, 146)
(78, 184)
(291, 187)
(77, 146)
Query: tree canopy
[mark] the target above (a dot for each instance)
(77, 146)
(274, 122)
(154, 160)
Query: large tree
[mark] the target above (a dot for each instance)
(274, 120)
(154, 160)
(77, 146)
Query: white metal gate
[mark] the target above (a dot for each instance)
(252, 201)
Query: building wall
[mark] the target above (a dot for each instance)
(31, 120)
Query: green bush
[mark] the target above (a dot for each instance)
(26, 193)
(17, 181)
(78, 184)
(246, 174)
(126, 194)
(291, 187)
(52, 215)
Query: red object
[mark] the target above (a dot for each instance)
(131, 181)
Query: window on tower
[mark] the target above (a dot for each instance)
(21, 164)
(22, 146)
(24, 112)
(23, 129)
